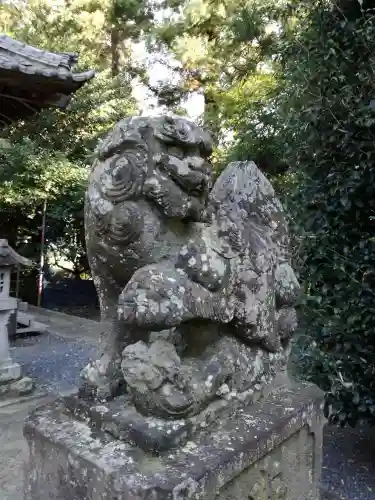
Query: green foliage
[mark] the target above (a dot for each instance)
(248, 113)
(327, 119)
(82, 26)
(132, 17)
(220, 47)
(47, 156)
(307, 116)
(75, 132)
(29, 175)
(77, 26)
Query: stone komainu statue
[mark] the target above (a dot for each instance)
(194, 281)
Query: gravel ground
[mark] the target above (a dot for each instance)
(349, 462)
(52, 361)
(349, 454)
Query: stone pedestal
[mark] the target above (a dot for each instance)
(271, 449)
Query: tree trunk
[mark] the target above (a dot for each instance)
(211, 113)
(117, 53)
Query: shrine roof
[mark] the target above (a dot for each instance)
(32, 79)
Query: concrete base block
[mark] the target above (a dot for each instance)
(271, 449)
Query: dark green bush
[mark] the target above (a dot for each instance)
(319, 119)
(329, 71)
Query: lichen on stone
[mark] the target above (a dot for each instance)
(171, 250)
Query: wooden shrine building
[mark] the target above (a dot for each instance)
(32, 79)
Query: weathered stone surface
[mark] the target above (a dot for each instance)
(120, 418)
(270, 449)
(16, 388)
(190, 398)
(169, 251)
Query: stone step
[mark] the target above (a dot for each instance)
(23, 318)
(27, 324)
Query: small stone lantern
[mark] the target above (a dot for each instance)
(11, 381)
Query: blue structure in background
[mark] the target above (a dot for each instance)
(70, 293)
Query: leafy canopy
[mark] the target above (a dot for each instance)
(47, 156)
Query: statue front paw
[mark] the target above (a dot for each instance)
(154, 298)
(149, 308)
